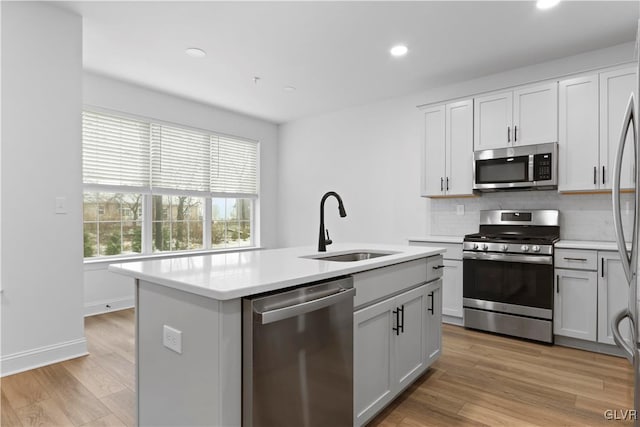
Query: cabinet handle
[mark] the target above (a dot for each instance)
(595, 171)
(575, 259)
(508, 134)
(401, 324)
(603, 174)
(515, 133)
(602, 267)
(441, 184)
(397, 328)
(430, 310)
(447, 183)
(438, 267)
(557, 283)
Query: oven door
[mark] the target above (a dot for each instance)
(503, 172)
(509, 283)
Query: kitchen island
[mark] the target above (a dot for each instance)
(189, 324)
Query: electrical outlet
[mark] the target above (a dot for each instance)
(61, 205)
(459, 209)
(172, 339)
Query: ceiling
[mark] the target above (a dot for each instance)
(336, 54)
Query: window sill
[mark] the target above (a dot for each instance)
(102, 262)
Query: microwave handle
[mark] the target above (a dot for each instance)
(531, 177)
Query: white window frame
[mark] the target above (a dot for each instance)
(148, 193)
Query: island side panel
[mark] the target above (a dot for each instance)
(201, 386)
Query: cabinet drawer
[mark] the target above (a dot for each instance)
(376, 284)
(454, 250)
(576, 259)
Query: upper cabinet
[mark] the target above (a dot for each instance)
(615, 89)
(524, 116)
(591, 111)
(448, 150)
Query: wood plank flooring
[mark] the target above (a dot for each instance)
(480, 379)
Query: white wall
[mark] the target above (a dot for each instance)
(371, 154)
(42, 318)
(103, 287)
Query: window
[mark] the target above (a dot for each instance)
(111, 224)
(177, 223)
(194, 190)
(231, 222)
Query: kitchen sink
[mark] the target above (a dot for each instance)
(352, 256)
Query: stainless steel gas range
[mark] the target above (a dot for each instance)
(508, 273)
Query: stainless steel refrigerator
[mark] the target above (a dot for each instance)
(629, 258)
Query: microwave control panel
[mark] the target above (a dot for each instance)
(542, 167)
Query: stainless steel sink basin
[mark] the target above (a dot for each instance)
(352, 256)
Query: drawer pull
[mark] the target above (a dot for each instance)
(438, 267)
(575, 259)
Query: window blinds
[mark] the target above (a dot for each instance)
(115, 151)
(124, 152)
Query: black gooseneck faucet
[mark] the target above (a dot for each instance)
(322, 242)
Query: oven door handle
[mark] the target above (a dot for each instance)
(526, 259)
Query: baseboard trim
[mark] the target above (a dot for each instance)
(453, 320)
(43, 356)
(107, 306)
(594, 347)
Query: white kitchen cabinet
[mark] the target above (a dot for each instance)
(388, 351)
(578, 141)
(451, 292)
(372, 353)
(523, 116)
(591, 111)
(493, 121)
(452, 288)
(575, 303)
(613, 296)
(448, 150)
(433, 322)
(535, 114)
(615, 88)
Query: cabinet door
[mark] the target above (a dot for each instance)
(433, 325)
(613, 296)
(615, 89)
(433, 164)
(452, 288)
(492, 127)
(459, 157)
(575, 305)
(373, 383)
(409, 340)
(535, 114)
(578, 139)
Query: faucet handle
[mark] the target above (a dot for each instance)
(328, 240)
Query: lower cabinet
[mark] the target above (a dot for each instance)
(395, 340)
(575, 302)
(433, 323)
(452, 289)
(589, 294)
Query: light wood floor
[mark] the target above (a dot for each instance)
(480, 379)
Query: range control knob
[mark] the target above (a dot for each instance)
(525, 248)
(535, 248)
(504, 248)
(475, 246)
(484, 247)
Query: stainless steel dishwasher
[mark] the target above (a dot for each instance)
(297, 356)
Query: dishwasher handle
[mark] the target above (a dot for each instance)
(271, 316)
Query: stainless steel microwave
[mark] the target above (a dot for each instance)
(529, 167)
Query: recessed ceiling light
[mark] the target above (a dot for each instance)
(195, 52)
(289, 89)
(399, 50)
(546, 4)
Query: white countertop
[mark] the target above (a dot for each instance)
(233, 275)
(588, 244)
(438, 239)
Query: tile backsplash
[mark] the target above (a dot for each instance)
(582, 216)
